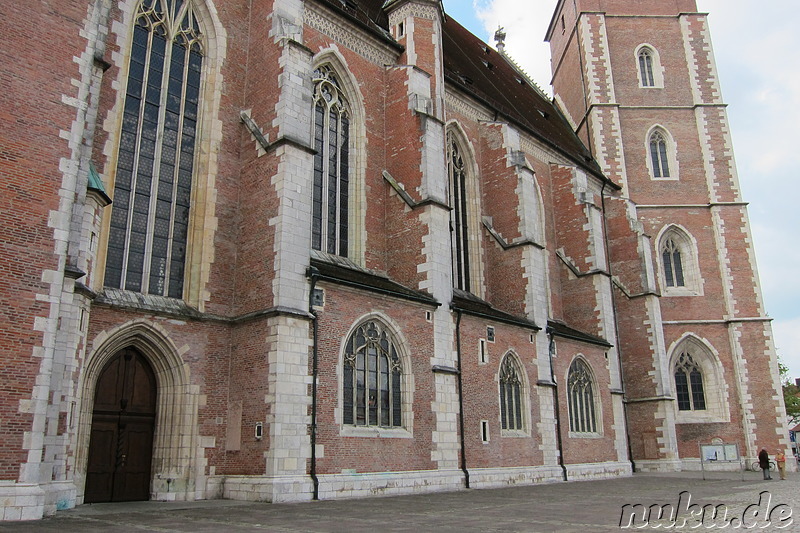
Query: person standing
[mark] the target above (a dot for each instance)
(763, 462)
(780, 460)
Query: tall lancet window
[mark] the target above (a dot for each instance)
(153, 184)
(646, 67)
(329, 219)
(659, 155)
(673, 266)
(459, 223)
(510, 395)
(582, 418)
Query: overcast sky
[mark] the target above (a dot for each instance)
(754, 49)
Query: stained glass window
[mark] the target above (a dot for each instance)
(152, 190)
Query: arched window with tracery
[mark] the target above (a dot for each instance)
(689, 384)
(580, 388)
(510, 394)
(330, 202)
(646, 67)
(673, 265)
(459, 214)
(372, 377)
(659, 154)
(153, 185)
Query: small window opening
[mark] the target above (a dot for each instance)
(490, 333)
(401, 30)
(482, 351)
(563, 24)
(485, 430)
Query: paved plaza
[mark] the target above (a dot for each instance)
(562, 507)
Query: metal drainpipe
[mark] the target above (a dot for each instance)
(461, 400)
(550, 349)
(313, 273)
(616, 326)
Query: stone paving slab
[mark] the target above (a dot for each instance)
(556, 507)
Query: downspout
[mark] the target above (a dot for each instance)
(616, 326)
(461, 401)
(550, 349)
(313, 273)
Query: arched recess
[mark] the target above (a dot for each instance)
(514, 397)
(356, 227)
(661, 154)
(678, 262)
(466, 216)
(703, 356)
(406, 427)
(202, 218)
(176, 433)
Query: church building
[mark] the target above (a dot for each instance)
(284, 250)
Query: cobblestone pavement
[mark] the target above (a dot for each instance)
(561, 507)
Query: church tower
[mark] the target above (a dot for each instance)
(638, 83)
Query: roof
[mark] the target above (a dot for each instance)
(488, 76)
(485, 74)
(342, 271)
(472, 305)
(559, 329)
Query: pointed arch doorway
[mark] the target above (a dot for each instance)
(123, 422)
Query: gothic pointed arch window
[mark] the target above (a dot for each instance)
(698, 377)
(649, 68)
(463, 195)
(689, 384)
(372, 373)
(459, 223)
(680, 275)
(659, 154)
(673, 265)
(331, 190)
(581, 398)
(646, 67)
(149, 224)
(511, 394)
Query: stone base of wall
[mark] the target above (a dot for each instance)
(19, 501)
(278, 489)
(59, 496)
(485, 478)
(693, 465)
(334, 486)
(658, 465)
(587, 471)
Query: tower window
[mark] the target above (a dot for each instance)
(659, 155)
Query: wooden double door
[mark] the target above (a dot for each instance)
(123, 422)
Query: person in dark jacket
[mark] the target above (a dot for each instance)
(763, 462)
